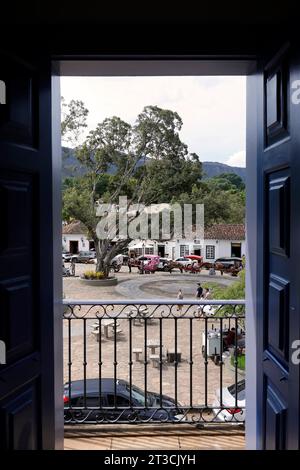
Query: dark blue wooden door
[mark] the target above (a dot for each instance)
(278, 280)
(28, 395)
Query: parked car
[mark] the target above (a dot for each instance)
(183, 261)
(116, 263)
(84, 257)
(230, 262)
(151, 266)
(232, 414)
(163, 263)
(66, 256)
(145, 258)
(108, 401)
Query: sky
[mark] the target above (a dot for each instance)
(213, 109)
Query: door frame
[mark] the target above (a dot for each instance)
(203, 66)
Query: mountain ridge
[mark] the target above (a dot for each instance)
(70, 167)
(211, 169)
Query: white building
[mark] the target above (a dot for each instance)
(75, 238)
(220, 240)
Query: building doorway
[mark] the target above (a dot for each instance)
(236, 250)
(74, 247)
(161, 251)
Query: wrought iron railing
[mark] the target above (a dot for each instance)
(154, 361)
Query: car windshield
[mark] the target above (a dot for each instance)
(240, 388)
(138, 395)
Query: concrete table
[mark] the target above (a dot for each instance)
(152, 345)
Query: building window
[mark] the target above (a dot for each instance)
(210, 252)
(149, 251)
(184, 250)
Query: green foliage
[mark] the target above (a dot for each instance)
(236, 291)
(228, 181)
(241, 361)
(157, 134)
(220, 206)
(77, 203)
(74, 116)
(165, 179)
(215, 288)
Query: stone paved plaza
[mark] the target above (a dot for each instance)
(136, 287)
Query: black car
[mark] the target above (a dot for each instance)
(107, 406)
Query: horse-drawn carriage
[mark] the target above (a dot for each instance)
(153, 263)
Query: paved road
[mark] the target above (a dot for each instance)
(140, 286)
(165, 285)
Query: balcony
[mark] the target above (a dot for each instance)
(154, 374)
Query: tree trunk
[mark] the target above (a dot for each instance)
(102, 265)
(103, 259)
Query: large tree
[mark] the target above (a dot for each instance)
(220, 205)
(148, 163)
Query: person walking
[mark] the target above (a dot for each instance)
(199, 291)
(199, 295)
(129, 264)
(72, 267)
(207, 294)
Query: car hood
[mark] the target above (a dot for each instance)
(228, 399)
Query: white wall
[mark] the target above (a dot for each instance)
(82, 245)
(222, 247)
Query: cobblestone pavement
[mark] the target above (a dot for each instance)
(134, 286)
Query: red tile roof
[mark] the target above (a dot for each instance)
(75, 227)
(225, 232)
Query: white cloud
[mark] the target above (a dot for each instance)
(237, 159)
(213, 109)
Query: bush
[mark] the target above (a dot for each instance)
(236, 291)
(92, 275)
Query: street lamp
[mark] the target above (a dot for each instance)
(143, 253)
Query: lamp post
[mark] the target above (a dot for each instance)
(143, 254)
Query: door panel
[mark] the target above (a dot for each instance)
(28, 407)
(276, 419)
(19, 420)
(279, 180)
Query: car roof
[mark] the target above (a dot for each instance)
(92, 386)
